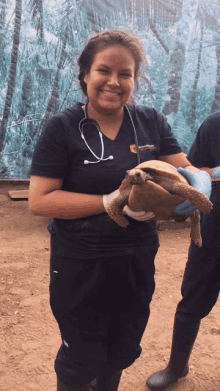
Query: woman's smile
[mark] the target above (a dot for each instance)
(110, 93)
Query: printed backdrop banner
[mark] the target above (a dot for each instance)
(40, 41)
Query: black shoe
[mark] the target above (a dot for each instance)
(64, 387)
(94, 385)
(109, 379)
(184, 335)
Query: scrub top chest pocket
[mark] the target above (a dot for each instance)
(148, 151)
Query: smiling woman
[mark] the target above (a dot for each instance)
(110, 82)
(102, 275)
(109, 66)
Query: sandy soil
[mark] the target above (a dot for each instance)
(29, 336)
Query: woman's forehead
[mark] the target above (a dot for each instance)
(115, 54)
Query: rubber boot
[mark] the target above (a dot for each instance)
(184, 335)
(108, 380)
(64, 387)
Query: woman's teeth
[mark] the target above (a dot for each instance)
(110, 93)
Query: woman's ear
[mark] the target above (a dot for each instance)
(85, 79)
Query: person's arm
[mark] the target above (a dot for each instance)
(179, 160)
(47, 199)
(208, 170)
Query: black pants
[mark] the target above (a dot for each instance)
(102, 309)
(201, 283)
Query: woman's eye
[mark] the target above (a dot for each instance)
(125, 75)
(103, 70)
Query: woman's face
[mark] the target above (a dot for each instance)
(110, 80)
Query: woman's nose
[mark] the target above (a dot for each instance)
(113, 79)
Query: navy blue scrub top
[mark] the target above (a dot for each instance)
(60, 153)
(205, 152)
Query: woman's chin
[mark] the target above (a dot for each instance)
(111, 106)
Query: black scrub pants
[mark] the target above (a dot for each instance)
(201, 284)
(102, 308)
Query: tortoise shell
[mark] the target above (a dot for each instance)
(162, 168)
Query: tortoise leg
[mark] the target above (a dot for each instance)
(195, 229)
(198, 199)
(115, 208)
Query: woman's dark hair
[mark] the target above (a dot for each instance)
(100, 42)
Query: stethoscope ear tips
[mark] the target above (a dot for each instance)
(111, 157)
(86, 162)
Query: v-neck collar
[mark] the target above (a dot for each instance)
(118, 136)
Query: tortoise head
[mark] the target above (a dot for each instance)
(137, 176)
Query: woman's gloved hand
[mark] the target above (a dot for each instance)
(216, 172)
(107, 198)
(140, 216)
(201, 181)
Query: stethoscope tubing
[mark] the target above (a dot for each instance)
(135, 135)
(100, 135)
(86, 120)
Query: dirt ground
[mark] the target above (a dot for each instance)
(29, 336)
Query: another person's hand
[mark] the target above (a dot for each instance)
(216, 172)
(140, 216)
(201, 181)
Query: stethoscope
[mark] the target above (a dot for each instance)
(90, 121)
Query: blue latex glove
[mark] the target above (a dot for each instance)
(201, 181)
(216, 172)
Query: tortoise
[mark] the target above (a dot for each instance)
(156, 186)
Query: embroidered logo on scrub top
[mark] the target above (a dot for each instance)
(146, 147)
